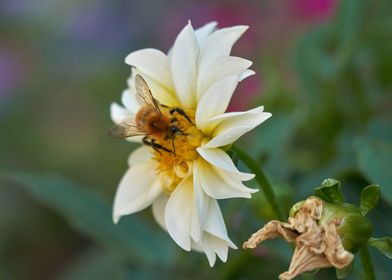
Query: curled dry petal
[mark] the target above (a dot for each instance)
(316, 246)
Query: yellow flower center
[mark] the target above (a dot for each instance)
(173, 166)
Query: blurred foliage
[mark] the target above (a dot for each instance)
(91, 216)
(327, 83)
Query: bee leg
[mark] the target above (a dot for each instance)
(157, 147)
(174, 147)
(146, 142)
(182, 113)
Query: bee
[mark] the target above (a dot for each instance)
(153, 120)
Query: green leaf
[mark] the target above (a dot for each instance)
(94, 263)
(375, 162)
(351, 19)
(329, 191)
(309, 60)
(344, 272)
(384, 245)
(276, 135)
(369, 198)
(132, 237)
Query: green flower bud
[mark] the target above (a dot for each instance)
(354, 229)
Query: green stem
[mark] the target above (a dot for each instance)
(261, 179)
(367, 263)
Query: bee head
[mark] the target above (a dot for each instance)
(174, 129)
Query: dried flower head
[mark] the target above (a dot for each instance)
(317, 243)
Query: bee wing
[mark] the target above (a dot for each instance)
(125, 129)
(144, 95)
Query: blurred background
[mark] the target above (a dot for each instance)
(323, 69)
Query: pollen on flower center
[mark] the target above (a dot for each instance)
(178, 151)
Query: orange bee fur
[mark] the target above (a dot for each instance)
(154, 121)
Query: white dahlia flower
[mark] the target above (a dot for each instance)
(183, 175)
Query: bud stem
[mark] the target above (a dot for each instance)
(261, 179)
(367, 263)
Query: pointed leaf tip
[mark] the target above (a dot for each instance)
(329, 191)
(369, 198)
(383, 244)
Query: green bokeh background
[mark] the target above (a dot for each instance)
(324, 70)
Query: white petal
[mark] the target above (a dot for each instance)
(119, 113)
(231, 126)
(184, 66)
(195, 230)
(228, 136)
(128, 99)
(178, 213)
(212, 245)
(215, 238)
(139, 155)
(217, 46)
(196, 247)
(137, 190)
(226, 119)
(235, 182)
(158, 210)
(220, 68)
(215, 101)
(221, 159)
(135, 139)
(201, 198)
(131, 80)
(246, 74)
(215, 224)
(221, 248)
(221, 41)
(152, 63)
(219, 184)
(164, 95)
(203, 32)
(208, 249)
